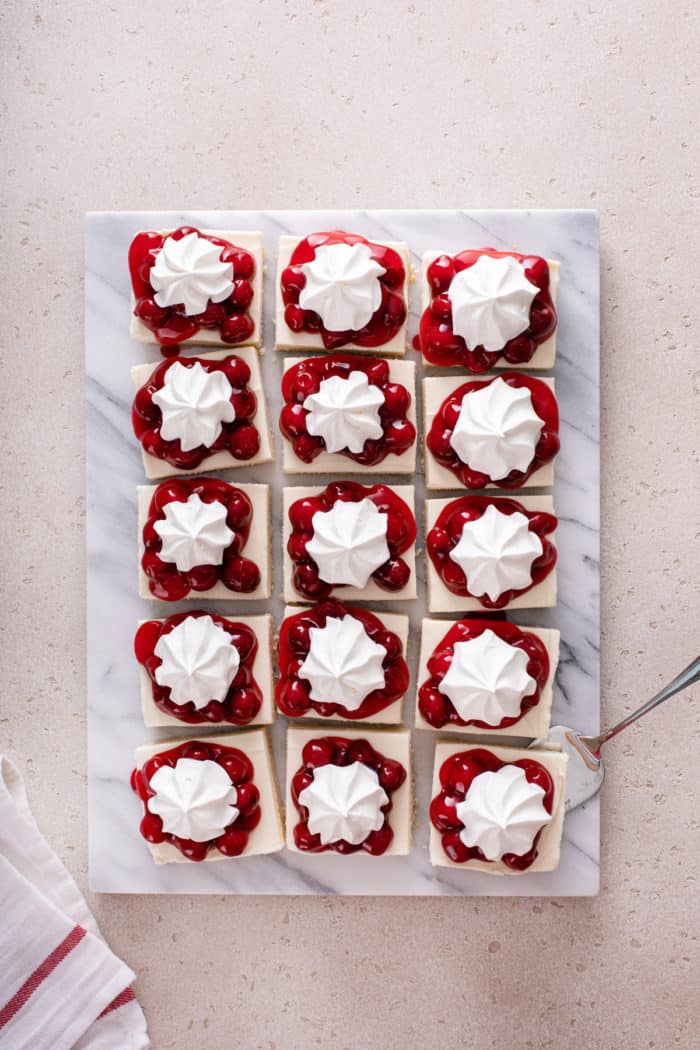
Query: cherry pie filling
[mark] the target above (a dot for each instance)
(170, 324)
(240, 771)
(437, 708)
(293, 693)
(239, 574)
(456, 776)
(305, 378)
(393, 575)
(447, 531)
(244, 698)
(240, 438)
(386, 320)
(442, 428)
(339, 751)
(440, 345)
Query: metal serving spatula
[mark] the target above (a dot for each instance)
(586, 771)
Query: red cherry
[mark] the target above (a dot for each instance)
(244, 442)
(320, 751)
(195, 750)
(169, 587)
(378, 374)
(246, 705)
(391, 775)
(152, 828)
(202, 577)
(241, 575)
(148, 311)
(396, 400)
(520, 349)
(247, 797)
(440, 274)
(304, 840)
(293, 280)
(237, 767)
(294, 317)
(434, 707)
(377, 842)
(237, 371)
(242, 294)
(293, 421)
(232, 842)
(441, 308)
(298, 638)
(294, 700)
(176, 329)
(237, 328)
(239, 510)
(212, 316)
(243, 262)
(307, 581)
(393, 575)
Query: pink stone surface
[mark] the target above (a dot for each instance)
(521, 104)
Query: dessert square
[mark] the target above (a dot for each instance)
(349, 803)
(510, 304)
(242, 529)
(353, 664)
(212, 410)
(239, 773)
(510, 434)
(199, 669)
(203, 296)
(364, 408)
(540, 595)
(520, 797)
(364, 309)
(492, 670)
(398, 534)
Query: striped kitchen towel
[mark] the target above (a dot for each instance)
(60, 985)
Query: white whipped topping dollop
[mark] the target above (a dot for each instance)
(502, 812)
(194, 404)
(195, 799)
(496, 551)
(193, 533)
(349, 542)
(487, 679)
(344, 802)
(491, 302)
(497, 429)
(343, 664)
(190, 271)
(342, 286)
(198, 661)
(345, 412)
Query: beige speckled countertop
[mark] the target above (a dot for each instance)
(522, 104)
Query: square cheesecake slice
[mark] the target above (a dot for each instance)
(436, 389)
(441, 599)
(323, 805)
(339, 549)
(472, 689)
(187, 416)
(545, 354)
(192, 661)
(243, 284)
(249, 571)
(496, 798)
(349, 664)
(233, 770)
(288, 339)
(340, 462)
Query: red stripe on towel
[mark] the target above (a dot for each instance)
(127, 996)
(42, 971)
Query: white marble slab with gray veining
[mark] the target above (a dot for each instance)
(119, 859)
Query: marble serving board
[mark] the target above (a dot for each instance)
(119, 859)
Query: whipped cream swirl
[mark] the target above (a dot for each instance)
(349, 542)
(195, 799)
(344, 802)
(487, 679)
(496, 551)
(342, 286)
(491, 302)
(194, 404)
(343, 664)
(198, 662)
(189, 271)
(345, 412)
(497, 429)
(502, 812)
(193, 533)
